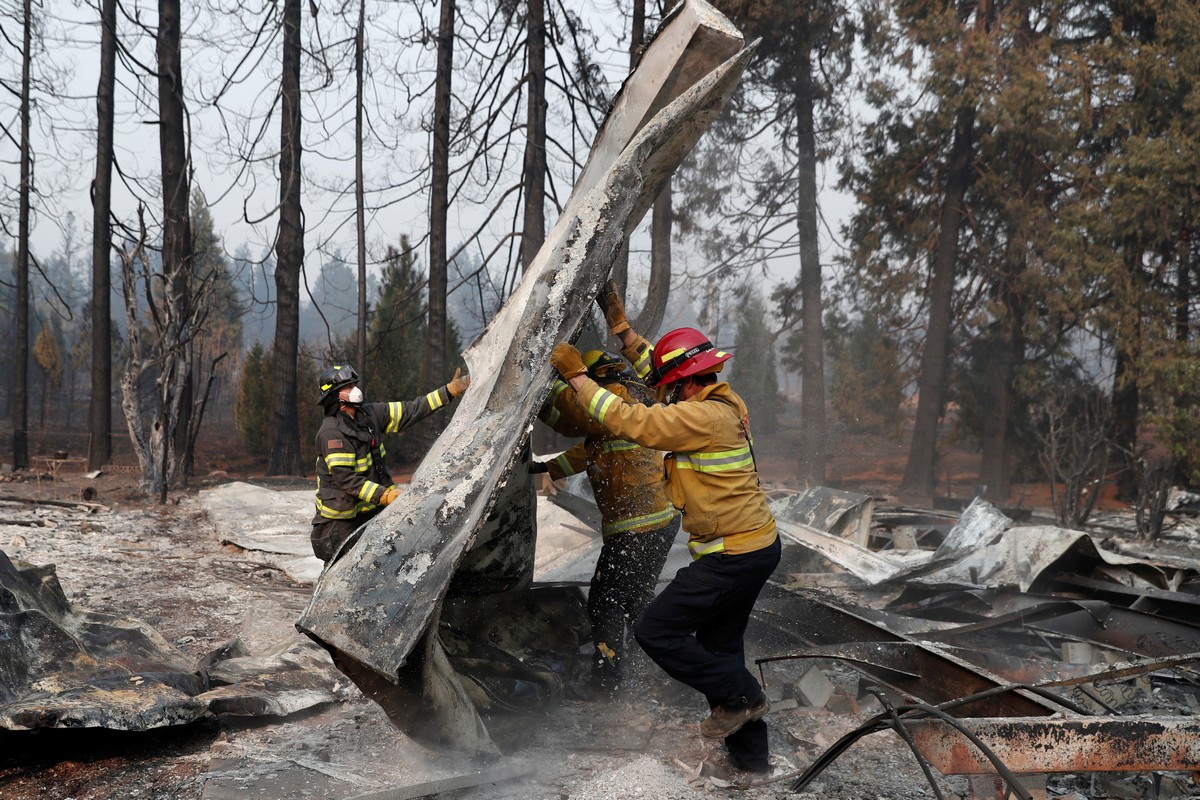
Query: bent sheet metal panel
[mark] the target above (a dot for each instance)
(374, 605)
(805, 618)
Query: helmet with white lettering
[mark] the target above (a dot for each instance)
(684, 353)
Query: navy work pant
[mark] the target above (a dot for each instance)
(623, 586)
(694, 630)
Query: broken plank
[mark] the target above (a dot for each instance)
(71, 504)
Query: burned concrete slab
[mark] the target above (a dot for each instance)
(377, 606)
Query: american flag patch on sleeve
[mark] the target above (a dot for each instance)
(334, 443)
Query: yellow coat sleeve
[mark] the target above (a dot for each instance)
(687, 426)
(569, 463)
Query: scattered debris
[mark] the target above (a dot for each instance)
(65, 667)
(997, 602)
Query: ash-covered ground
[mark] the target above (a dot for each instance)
(164, 565)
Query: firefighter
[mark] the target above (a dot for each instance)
(695, 628)
(638, 523)
(353, 484)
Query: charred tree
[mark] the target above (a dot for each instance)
(812, 398)
(20, 416)
(931, 384)
(1123, 435)
(655, 308)
(100, 414)
(159, 345)
(360, 213)
(289, 258)
(177, 235)
(439, 196)
(534, 228)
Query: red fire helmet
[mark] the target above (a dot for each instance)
(684, 352)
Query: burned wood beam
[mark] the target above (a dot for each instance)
(73, 505)
(806, 619)
(1092, 744)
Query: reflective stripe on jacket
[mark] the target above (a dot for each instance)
(626, 478)
(351, 475)
(709, 470)
(639, 354)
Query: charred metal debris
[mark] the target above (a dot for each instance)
(999, 650)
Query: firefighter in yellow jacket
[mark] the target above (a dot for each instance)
(694, 629)
(353, 484)
(638, 523)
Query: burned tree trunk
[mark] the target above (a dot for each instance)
(661, 215)
(289, 258)
(159, 344)
(435, 355)
(177, 236)
(360, 214)
(100, 415)
(812, 398)
(534, 229)
(20, 414)
(655, 308)
(931, 384)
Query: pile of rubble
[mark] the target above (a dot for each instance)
(1009, 652)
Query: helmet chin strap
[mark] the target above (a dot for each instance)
(674, 392)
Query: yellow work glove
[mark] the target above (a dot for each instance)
(610, 303)
(567, 361)
(458, 384)
(389, 494)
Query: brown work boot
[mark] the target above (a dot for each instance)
(727, 719)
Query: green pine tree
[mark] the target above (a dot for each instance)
(867, 383)
(753, 367)
(396, 340)
(252, 409)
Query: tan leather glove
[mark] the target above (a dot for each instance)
(389, 494)
(610, 303)
(567, 361)
(458, 384)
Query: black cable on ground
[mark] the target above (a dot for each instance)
(899, 728)
(908, 712)
(1008, 775)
